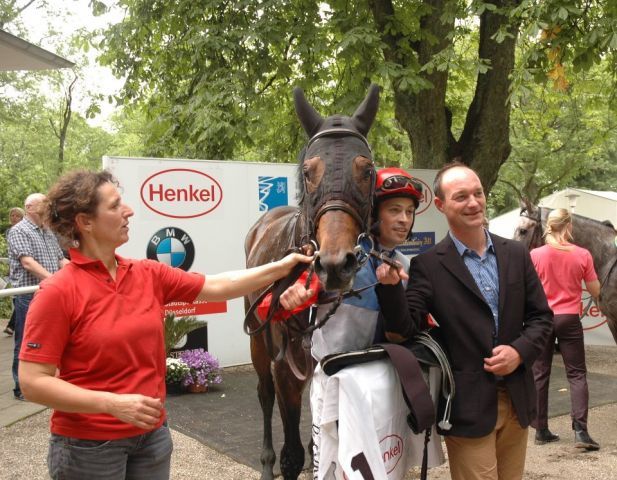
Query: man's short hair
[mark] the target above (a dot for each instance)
(448, 166)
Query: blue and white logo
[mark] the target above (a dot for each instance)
(172, 246)
(272, 192)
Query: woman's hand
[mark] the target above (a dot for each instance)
(138, 410)
(388, 275)
(290, 261)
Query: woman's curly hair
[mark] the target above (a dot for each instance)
(74, 193)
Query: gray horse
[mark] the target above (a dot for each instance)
(601, 241)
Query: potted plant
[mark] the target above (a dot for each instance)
(176, 371)
(204, 370)
(176, 328)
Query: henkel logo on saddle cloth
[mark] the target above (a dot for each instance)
(181, 193)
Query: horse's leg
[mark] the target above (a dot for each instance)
(289, 397)
(265, 392)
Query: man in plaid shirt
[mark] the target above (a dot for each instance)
(34, 254)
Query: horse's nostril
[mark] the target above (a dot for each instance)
(351, 264)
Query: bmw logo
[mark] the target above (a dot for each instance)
(172, 246)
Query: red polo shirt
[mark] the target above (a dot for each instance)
(105, 335)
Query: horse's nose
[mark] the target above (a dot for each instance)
(336, 272)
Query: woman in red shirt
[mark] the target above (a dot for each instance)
(99, 324)
(562, 267)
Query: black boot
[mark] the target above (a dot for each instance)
(544, 435)
(582, 438)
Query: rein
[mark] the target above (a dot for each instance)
(277, 289)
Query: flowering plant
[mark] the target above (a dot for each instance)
(176, 370)
(203, 367)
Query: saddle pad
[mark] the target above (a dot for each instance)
(360, 421)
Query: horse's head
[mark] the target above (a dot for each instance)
(338, 177)
(529, 228)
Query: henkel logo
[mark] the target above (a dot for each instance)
(391, 451)
(181, 193)
(593, 318)
(427, 197)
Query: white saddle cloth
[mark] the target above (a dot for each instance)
(360, 418)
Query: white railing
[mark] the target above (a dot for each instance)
(10, 292)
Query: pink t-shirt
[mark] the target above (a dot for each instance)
(561, 273)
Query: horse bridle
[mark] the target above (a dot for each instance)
(336, 199)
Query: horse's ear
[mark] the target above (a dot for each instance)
(526, 205)
(309, 118)
(365, 114)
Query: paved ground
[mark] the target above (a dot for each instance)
(24, 431)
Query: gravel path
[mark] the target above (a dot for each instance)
(24, 447)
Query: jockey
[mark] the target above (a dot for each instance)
(356, 325)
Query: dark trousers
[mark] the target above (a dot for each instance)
(569, 332)
(11, 323)
(22, 303)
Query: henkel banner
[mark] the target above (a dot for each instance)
(195, 214)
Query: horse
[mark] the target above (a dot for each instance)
(336, 178)
(597, 237)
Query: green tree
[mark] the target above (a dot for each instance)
(559, 139)
(215, 77)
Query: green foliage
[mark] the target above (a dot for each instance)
(6, 305)
(176, 328)
(559, 140)
(213, 79)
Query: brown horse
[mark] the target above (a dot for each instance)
(598, 238)
(336, 178)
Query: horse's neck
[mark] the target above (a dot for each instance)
(595, 238)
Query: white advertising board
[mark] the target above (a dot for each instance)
(194, 214)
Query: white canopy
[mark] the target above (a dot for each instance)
(18, 54)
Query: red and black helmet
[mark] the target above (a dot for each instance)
(396, 182)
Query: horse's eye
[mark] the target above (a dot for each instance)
(522, 231)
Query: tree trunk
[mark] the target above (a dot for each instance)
(422, 115)
(484, 143)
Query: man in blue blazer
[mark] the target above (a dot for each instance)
(494, 320)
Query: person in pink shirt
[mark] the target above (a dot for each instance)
(562, 267)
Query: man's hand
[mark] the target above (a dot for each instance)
(388, 275)
(295, 296)
(504, 361)
(138, 410)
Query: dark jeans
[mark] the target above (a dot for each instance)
(22, 303)
(144, 457)
(11, 323)
(569, 332)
